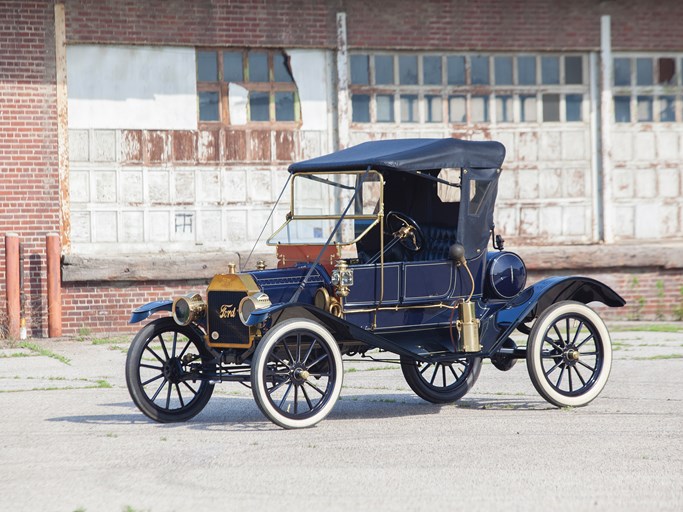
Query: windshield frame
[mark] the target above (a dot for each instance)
(318, 176)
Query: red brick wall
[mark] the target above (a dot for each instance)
(427, 24)
(106, 307)
(514, 24)
(305, 23)
(650, 294)
(29, 184)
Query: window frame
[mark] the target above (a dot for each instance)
(655, 92)
(468, 90)
(223, 87)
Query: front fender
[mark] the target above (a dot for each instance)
(142, 312)
(499, 323)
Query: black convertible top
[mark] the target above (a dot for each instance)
(409, 155)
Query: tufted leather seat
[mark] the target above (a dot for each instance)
(437, 242)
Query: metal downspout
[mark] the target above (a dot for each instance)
(606, 116)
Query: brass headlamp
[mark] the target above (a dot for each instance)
(188, 308)
(251, 303)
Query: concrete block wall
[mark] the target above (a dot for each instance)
(648, 182)
(149, 191)
(545, 189)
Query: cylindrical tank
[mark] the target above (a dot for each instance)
(505, 275)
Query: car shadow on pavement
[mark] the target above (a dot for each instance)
(504, 404)
(241, 413)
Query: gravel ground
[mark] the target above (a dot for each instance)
(73, 440)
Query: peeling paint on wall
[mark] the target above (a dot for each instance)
(238, 97)
(131, 87)
(309, 68)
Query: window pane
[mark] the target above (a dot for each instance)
(431, 70)
(480, 109)
(258, 67)
(259, 106)
(667, 71)
(280, 70)
(622, 71)
(284, 106)
(644, 108)
(384, 69)
(385, 108)
(503, 109)
(434, 109)
(457, 108)
(207, 67)
(479, 190)
(526, 68)
(528, 112)
(503, 69)
(667, 109)
(360, 108)
(359, 69)
(480, 70)
(573, 70)
(550, 71)
(622, 109)
(409, 108)
(644, 71)
(407, 68)
(232, 67)
(456, 70)
(551, 107)
(208, 106)
(573, 103)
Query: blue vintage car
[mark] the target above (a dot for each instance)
(384, 254)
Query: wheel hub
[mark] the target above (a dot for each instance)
(300, 374)
(173, 370)
(571, 356)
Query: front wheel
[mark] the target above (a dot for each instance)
(569, 354)
(441, 383)
(161, 371)
(297, 373)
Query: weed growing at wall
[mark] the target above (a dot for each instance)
(659, 314)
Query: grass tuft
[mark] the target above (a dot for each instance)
(660, 356)
(648, 328)
(44, 352)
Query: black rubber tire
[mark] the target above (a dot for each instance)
(558, 331)
(281, 357)
(424, 386)
(150, 405)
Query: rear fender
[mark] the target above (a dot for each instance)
(498, 323)
(142, 312)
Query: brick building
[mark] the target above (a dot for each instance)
(154, 135)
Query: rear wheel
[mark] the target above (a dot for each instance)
(443, 382)
(159, 371)
(297, 373)
(569, 354)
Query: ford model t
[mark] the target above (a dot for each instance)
(384, 253)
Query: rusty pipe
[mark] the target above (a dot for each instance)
(12, 284)
(22, 294)
(54, 291)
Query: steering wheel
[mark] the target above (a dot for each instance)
(405, 230)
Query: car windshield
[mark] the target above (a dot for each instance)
(318, 201)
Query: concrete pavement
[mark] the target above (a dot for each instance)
(73, 440)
